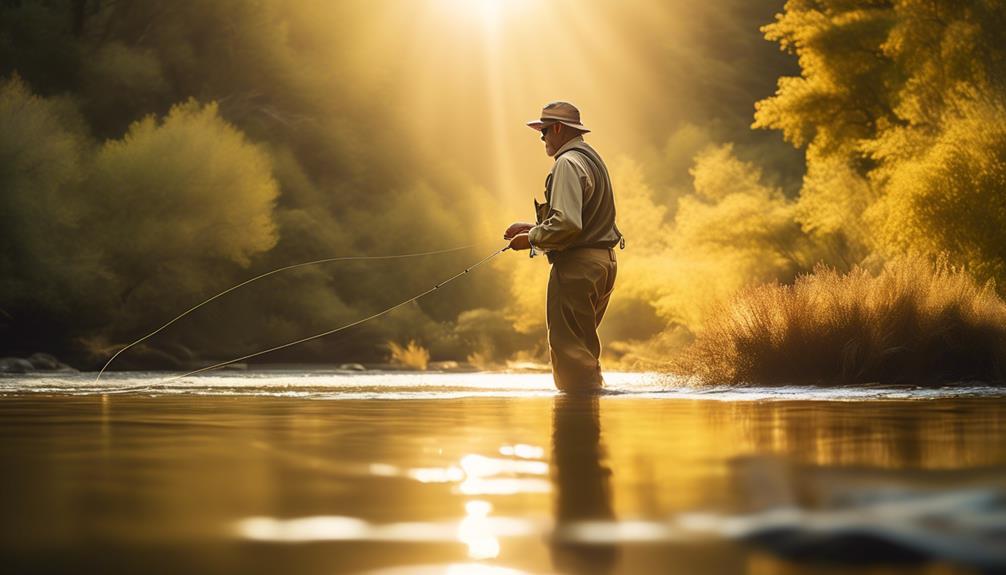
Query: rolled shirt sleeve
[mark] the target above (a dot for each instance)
(564, 221)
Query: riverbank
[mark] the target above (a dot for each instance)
(914, 322)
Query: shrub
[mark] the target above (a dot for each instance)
(915, 322)
(411, 355)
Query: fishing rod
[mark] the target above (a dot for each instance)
(316, 336)
(347, 326)
(267, 274)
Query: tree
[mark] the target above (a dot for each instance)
(42, 156)
(175, 202)
(899, 106)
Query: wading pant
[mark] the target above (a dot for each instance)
(579, 288)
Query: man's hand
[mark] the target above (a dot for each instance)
(520, 242)
(516, 228)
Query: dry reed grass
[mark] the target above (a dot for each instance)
(410, 355)
(915, 322)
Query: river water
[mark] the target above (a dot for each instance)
(297, 471)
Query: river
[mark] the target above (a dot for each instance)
(319, 471)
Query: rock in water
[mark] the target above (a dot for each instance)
(15, 365)
(46, 362)
(35, 362)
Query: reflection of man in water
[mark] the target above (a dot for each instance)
(576, 230)
(582, 485)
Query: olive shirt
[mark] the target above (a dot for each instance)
(573, 183)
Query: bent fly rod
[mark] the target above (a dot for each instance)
(315, 336)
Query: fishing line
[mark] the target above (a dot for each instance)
(347, 326)
(266, 274)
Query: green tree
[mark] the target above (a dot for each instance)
(103, 238)
(42, 157)
(176, 202)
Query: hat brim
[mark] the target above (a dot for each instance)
(537, 125)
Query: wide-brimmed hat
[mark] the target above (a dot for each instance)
(561, 112)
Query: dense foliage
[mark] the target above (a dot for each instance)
(154, 153)
(900, 105)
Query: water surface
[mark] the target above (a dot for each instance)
(327, 472)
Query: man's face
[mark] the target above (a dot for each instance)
(550, 135)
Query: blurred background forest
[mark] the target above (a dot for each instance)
(153, 153)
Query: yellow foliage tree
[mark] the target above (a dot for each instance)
(900, 106)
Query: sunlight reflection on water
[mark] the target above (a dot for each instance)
(964, 526)
(475, 531)
(484, 484)
(480, 475)
(473, 474)
(449, 569)
(334, 385)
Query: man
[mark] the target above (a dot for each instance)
(576, 230)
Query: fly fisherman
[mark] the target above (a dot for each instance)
(576, 231)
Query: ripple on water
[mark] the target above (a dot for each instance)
(326, 385)
(965, 527)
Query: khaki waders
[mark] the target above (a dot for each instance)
(579, 288)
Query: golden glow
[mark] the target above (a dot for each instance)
(658, 464)
(487, 475)
(474, 71)
(523, 451)
(475, 531)
(477, 474)
(488, 11)
(470, 74)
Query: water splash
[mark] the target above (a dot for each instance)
(333, 384)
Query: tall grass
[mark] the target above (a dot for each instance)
(410, 355)
(914, 322)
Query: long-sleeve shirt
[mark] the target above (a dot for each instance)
(573, 183)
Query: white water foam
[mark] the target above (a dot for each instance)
(336, 385)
